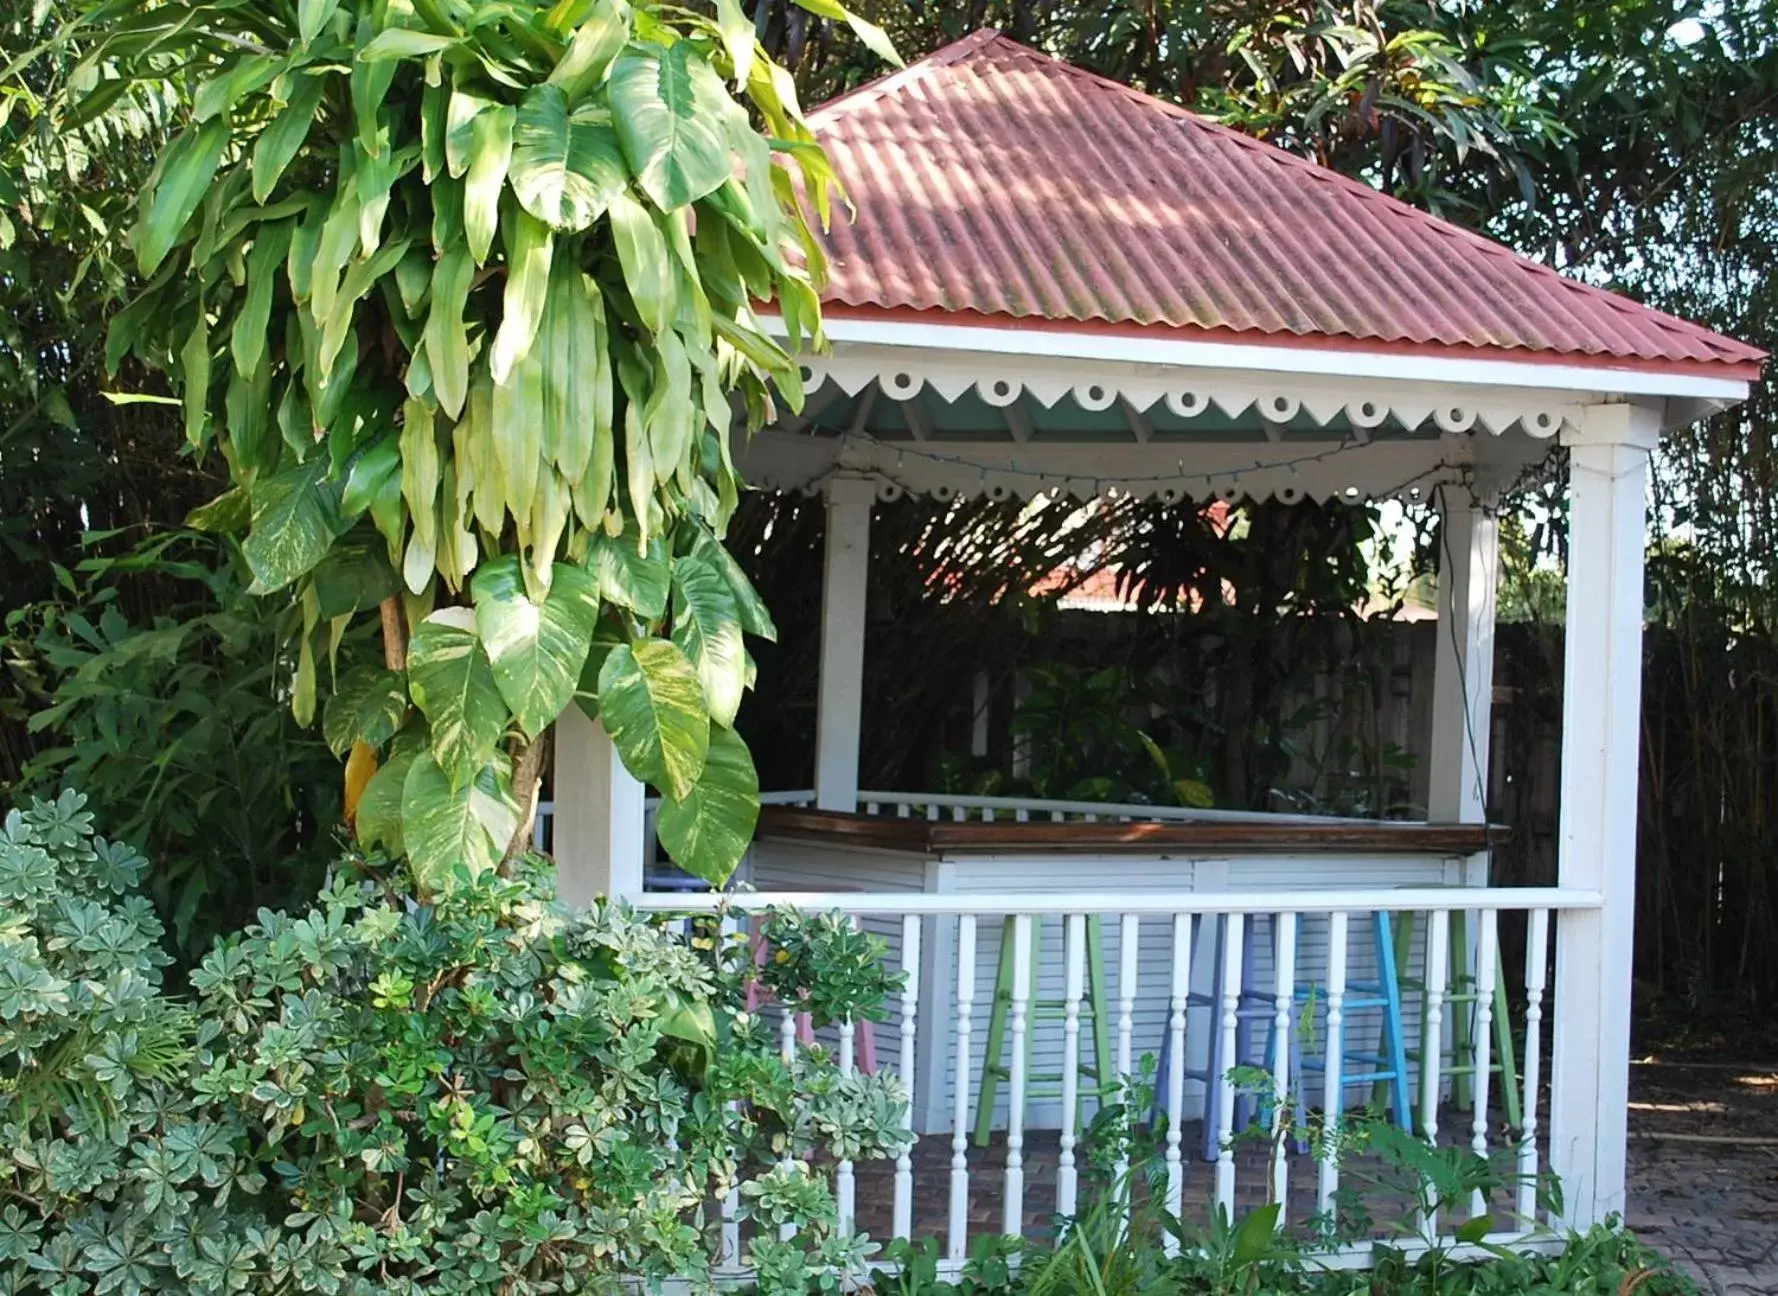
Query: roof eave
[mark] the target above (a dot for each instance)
(1717, 384)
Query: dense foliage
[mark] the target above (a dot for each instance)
(176, 728)
(461, 292)
(480, 1095)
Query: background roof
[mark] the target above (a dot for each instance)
(998, 184)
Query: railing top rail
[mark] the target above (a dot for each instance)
(1343, 900)
(949, 800)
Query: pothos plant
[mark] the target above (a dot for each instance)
(465, 292)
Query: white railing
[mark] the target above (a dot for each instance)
(542, 827)
(989, 809)
(1302, 995)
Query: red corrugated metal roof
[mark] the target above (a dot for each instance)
(994, 181)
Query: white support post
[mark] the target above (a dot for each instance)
(1601, 729)
(845, 577)
(600, 842)
(1463, 678)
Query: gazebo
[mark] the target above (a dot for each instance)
(1054, 284)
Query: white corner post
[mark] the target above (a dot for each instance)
(599, 837)
(1596, 841)
(1463, 674)
(844, 581)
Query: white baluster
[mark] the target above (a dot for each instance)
(1074, 953)
(872, 808)
(957, 1245)
(903, 810)
(1333, 1094)
(1179, 986)
(960, 814)
(1537, 952)
(932, 810)
(1283, 1001)
(987, 814)
(910, 1024)
(1013, 1217)
(1022, 815)
(1056, 816)
(1486, 959)
(1129, 940)
(1432, 1045)
(1228, 1023)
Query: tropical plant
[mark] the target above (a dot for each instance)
(175, 726)
(462, 292)
(480, 1095)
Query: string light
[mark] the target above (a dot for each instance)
(1045, 480)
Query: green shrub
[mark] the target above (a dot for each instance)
(479, 1094)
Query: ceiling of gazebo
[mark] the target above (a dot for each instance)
(996, 186)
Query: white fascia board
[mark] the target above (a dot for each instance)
(1376, 365)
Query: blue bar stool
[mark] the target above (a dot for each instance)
(1385, 1066)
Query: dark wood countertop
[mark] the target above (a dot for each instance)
(949, 837)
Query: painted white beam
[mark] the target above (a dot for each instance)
(1463, 676)
(1050, 345)
(845, 578)
(1596, 845)
(600, 839)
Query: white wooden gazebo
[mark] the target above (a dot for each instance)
(1052, 283)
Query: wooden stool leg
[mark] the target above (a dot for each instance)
(1503, 1046)
(1396, 1043)
(1404, 959)
(1098, 997)
(1462, 1020)
(989, 1092)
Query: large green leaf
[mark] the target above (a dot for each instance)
(279, 142)
(529, 247)
(490, 151)
(653, 707)
(648, 268)
(671, 112)
(184, 176)
(454, 831)
(352, 578)
(368, 706)
(447, 341)
(756, 618)
(637, 580)
(537, 649)
(707, 628)
(708, 831)
(378, 820)
(296, 519)
(453, 683)
(566, 166)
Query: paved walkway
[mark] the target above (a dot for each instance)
(1708, 1202)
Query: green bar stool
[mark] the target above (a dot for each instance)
(1462, 997)
(1094, 1020)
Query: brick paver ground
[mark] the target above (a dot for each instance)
(1711, 1205)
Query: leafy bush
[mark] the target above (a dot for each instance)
(157, 686)
(479, 1094)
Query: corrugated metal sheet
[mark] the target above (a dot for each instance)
(991, 178)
